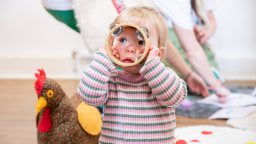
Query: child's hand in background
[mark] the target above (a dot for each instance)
(222, 94)
(153, 52)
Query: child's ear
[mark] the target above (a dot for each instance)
(161, 52)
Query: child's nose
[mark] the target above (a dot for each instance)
(130, 49)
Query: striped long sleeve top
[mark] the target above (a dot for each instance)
(137, 110)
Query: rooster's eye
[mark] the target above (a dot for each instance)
(50, 93)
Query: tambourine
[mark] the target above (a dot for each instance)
(116, 29)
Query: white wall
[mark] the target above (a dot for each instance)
(30, 38)
(28, 31)
(235, 39)
(236, 28)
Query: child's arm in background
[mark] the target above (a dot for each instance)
(93, 86)
(169, 89)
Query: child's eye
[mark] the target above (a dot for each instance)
(141, 42)
(123, 40)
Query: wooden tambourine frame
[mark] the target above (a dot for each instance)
(109, 44)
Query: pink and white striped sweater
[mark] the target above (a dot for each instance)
(137, 110)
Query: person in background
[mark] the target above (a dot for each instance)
(62, 10)
(191, 23)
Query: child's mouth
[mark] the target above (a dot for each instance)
(128, 60)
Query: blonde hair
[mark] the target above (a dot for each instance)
(142, 15)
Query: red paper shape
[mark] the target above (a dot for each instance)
(206, 132)
(194, 140)
(45, 125)
(181, 142)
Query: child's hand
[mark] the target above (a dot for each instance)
(153, 52)
(222, 94)
(102, 49)
(115, 53)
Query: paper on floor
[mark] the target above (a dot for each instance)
(247, 123)
(234, 100)
(237, 112)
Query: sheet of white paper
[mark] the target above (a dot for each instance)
(238, 112)
(234, 100)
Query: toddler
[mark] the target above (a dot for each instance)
(139, 100)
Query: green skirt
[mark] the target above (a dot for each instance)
(66, 16)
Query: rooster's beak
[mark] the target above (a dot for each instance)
(41, 103)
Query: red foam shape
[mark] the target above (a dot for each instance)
(40, 80)
(181, 142)
(206, 132)
(45, 125)
(194, 140)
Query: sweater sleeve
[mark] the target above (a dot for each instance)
(93, 87)
(167, 87)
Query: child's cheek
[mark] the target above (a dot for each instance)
(121, 47)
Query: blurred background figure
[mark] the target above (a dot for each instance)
(62, 10)
(191, 24)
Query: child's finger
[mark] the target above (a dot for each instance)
(117, 55)
(114, 52)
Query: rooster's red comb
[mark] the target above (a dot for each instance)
(40, 80)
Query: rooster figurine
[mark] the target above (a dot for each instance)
(63, 120)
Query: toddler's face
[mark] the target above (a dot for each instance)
(128, 46)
